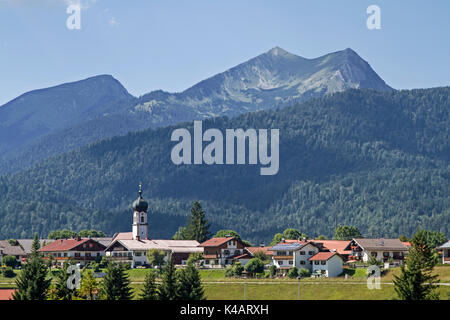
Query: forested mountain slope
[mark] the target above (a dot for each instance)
(380, 159)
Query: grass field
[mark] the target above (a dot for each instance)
(218, 287)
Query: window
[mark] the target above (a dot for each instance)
(142, 219)
(138, 254)
(281, 262)
(291, 262)
(88, 254)
(310, 253)
(302, 253)
(316, 262)
(323, 263)
(374, 254)
(207, 261)
(98, 254)
(302, 262)
(65, 254)
(216, 261)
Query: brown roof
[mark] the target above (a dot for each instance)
(339, 245)
(64, 245)
(215, 242)
(323, 256)
(8, 249)
(381, 244)
(242, 256)
(266, 250)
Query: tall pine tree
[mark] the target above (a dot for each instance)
(116, 284)
(197, 227)
(60, 289)
(416, 281)
(32, 283)
(149, 292)
(190, 286)
(168, 289)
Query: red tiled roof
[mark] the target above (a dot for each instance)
(62, 245)
(215, 242)
(406, 243)
(338, 245)
(242, 256)
(322, 256)
(6, 294)
(266, 250)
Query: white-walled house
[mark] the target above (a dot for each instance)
(445, 252)
(328, 264)
(293, 253)
(79, 250)
(381, 249)
(223, 251)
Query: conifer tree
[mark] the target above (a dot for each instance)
(416, 281)
(61, 290)
(190, 286)
(168, 290)
(149, 292)
(35, 246)
(89, 285)
(197, 227)
(116, 284)
(32, 283)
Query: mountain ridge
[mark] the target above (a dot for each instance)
(78, 113)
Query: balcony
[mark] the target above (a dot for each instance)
(122, 258)
(281, 257)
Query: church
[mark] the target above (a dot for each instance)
(131, 247)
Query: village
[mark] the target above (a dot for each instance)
(315, 257)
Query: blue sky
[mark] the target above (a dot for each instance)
(173, 44)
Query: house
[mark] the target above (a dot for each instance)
(445, 252)
(263, 249)
(343, 247)
(220, 252)
(6, 249)
(79, 250)
(134, 251)
(382, 249)
(293, 253)
(328, 264)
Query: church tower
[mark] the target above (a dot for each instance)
(140, 225)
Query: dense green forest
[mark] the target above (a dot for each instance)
(379, 160)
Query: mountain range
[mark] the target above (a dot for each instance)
(378, 160)
(47, 122)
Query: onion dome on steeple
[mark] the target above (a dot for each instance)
(140, 204)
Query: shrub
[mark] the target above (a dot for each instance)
(272, 271)
(229, 271)
(255, 265)
(238, 269)
(293, 273)
(303, 272)
(8, 272)
(10, 261)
